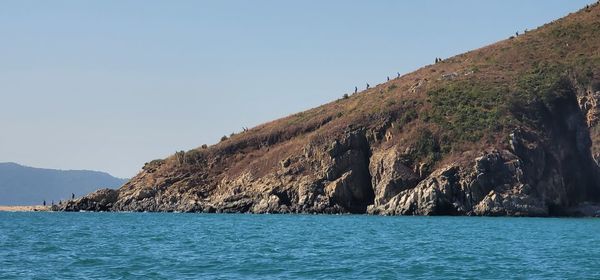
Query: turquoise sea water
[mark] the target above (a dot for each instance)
(212, 246)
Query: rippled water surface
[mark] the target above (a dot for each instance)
(192, 246)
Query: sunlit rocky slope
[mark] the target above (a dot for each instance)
(508, 129)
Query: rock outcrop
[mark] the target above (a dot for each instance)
(493, 185)
(391, 175)
(100, 200)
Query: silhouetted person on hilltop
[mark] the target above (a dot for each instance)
(368, 86)
(388, 78)
(44, 203)
(398, 74)
(72, 196)
(355, 89)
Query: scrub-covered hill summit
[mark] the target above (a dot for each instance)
(508, 129)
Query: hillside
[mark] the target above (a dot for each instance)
(22, 185)
(508, 129)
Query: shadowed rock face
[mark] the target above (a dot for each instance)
(350, 181)
(533, 158)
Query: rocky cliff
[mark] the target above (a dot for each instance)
(508, 129)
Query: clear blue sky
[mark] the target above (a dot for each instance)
(108, 85)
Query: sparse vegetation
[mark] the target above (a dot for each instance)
(407, 116)
(427, 148)
(466, 110)
(540, 81)
(194, 157)
(152, 165)
(180, 157)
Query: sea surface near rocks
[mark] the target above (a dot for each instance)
(190, 246)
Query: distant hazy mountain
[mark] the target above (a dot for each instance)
(22, 185)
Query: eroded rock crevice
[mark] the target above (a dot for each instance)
(569, 167)
(348, 176)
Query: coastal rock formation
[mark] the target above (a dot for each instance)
(391, 175)
(512, 132)
(100, 200)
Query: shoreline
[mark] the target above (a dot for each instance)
(41, 208)
(24, 208)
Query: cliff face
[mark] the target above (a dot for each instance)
(548, 172)
(509, 129)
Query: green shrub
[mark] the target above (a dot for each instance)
(427, 145)
(540, 81)
(426, 149)
(467, 110)
(408, 115)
